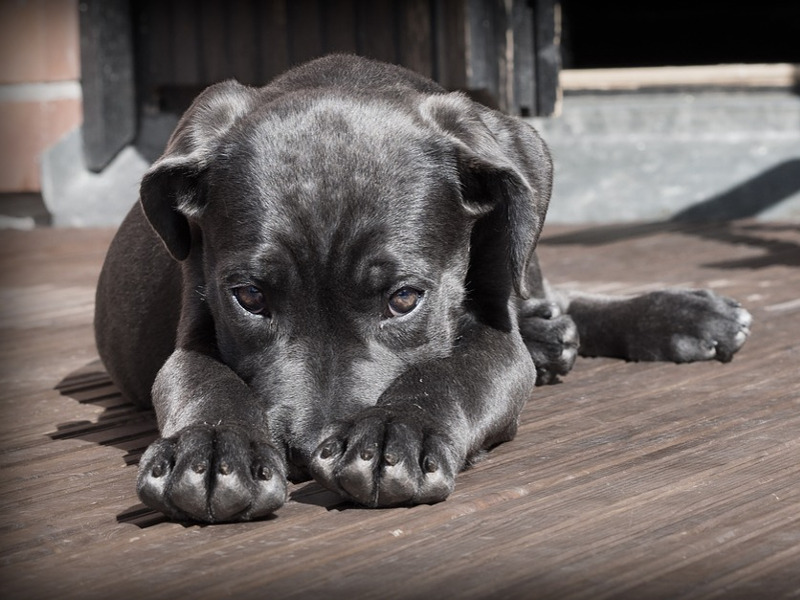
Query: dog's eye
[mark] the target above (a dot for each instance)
(251, 299)
(403, 301)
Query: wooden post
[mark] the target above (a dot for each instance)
(511, 54)
(109, 99)
(547, 33)
(524, 100)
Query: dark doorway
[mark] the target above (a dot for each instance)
(632, 33)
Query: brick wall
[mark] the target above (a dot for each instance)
(40, 94)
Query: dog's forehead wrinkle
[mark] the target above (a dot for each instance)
(346, 231)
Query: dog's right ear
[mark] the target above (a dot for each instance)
(172, 191)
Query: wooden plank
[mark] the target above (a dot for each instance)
(505, 51)
(186, 43)
(449, 26)
(304, 30)
(273, 22)
(626, 480)
(376, 30)
(524, 59)
(213, 28)
(339, 26)
(485, 47)
(152, 27)
(736, 76)
(243, 42)
(547, 24)
(415, 42)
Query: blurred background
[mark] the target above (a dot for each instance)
(686, 110)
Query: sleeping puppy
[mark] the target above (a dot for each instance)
(333, 276)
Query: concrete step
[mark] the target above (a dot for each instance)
(655, 156)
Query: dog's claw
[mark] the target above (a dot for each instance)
(429, 464)
(263, 473)
(233, 479)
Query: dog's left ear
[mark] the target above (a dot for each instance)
(506, 178)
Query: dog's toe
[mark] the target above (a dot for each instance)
(732, 332)
(230, 495)
(212, 475)
(687, 326)
(155, 470)
(380, 460)
(552, 340)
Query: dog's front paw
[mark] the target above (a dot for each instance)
(383, 459)
(212, 474)
(551, 338)
(690, 325)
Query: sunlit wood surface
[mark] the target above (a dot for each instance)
(625, 481)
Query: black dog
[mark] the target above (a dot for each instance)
(334, 275)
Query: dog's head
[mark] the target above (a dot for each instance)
(336, 240)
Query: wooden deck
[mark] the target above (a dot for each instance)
(626, 481)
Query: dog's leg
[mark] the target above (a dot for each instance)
(214, 461)
(549, 334)
(551, 337)
(679, 325)
(430, 423)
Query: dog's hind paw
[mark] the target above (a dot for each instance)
(212, 474)
(687, 325)
(551, 339)
(381, 459)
